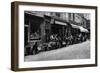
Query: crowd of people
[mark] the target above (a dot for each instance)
(56, 42)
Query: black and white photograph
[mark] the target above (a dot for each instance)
(56, 36)
(52, 36)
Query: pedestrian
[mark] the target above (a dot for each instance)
(35, 50)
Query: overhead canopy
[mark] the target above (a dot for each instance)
(80, 28)
(83, 29)
(34, 14)
(60, 23)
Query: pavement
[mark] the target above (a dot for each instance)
(76, 51)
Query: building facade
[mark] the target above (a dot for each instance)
(46, 27)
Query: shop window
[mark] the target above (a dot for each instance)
(34, 31)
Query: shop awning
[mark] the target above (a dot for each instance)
(80, 28)
(34, 14)
(83, 29)
(60, 23)
(75, 26)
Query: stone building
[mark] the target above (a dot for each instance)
(80, 19)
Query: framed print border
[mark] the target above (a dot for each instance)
(15, 34)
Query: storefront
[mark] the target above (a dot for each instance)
(33, 31)
(42, 30)
(79, 33)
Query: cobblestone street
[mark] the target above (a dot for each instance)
(76, 51)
